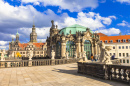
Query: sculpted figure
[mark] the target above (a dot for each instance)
(80, 55)
(67, 54)
(52, 54)
(107, 56)
(75, 54)
(2, 55)
(84, 56)
(104, 56)
(30, 54)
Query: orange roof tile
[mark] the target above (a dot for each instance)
(22, 45)
(114, 38)
(38, 44)
(101, 34)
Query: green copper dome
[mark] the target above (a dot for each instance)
(73, 29)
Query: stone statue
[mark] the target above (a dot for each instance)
(67, 54)
(52, 54)
(80, 55)
(104, 56)
(2, 55)
(84, 56)
(107, 56)
(30, 54)
(75, 55)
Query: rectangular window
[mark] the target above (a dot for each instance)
(123, 61)
(124, 40)
(126, 47)
(122, 47)
(128, 40)
(120, 61)
(105, 41)
(120, 54)
(119, 47)
(127, 60)
(123, 54)
(111, 41)
(119, 40)
(113, 47)
(127, 54)
(114, 54)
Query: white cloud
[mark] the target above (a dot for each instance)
(3, 42)
(71, 5)
(124, 23)
(123, 1)
(91, 20)
(22, 16)
(110, 31)
(41, 40)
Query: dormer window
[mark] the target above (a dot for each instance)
(119, 40)
(124, 40)
(105, 41)
(100, 41)
(128, 40)
(111, 41)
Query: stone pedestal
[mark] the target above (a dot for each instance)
(8, 64)
(53, 62)
(2, 64)
(30, 63)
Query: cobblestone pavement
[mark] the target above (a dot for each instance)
(59, 75)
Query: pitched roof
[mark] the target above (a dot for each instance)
(101, 34)
(115, 38)
(38, 45)
(23, 45)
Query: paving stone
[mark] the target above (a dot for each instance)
(59, 75)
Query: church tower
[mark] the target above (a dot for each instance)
(33, 35)
(17, 37)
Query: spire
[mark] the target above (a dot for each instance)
(17, 32)
(33, 21)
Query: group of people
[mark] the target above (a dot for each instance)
(96, 57)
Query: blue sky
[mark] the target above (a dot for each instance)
(107, 16)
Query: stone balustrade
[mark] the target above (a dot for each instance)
(39, 62)
(119, 73)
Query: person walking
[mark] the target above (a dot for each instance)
(92, 57)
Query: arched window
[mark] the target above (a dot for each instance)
(58, 49)
(87, 48)
(70, 47)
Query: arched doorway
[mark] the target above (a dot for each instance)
(87, 48)
(70, 48)
(58, 49)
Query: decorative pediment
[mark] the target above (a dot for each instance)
(87, 35)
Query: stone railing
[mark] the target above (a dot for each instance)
(40, 62)
(110, 72)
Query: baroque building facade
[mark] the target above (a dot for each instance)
(74, 39)
(120, 44)
(39, 49)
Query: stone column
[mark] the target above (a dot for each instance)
(63, 49)
(2, 58)
(78, 48)
(82, 46)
